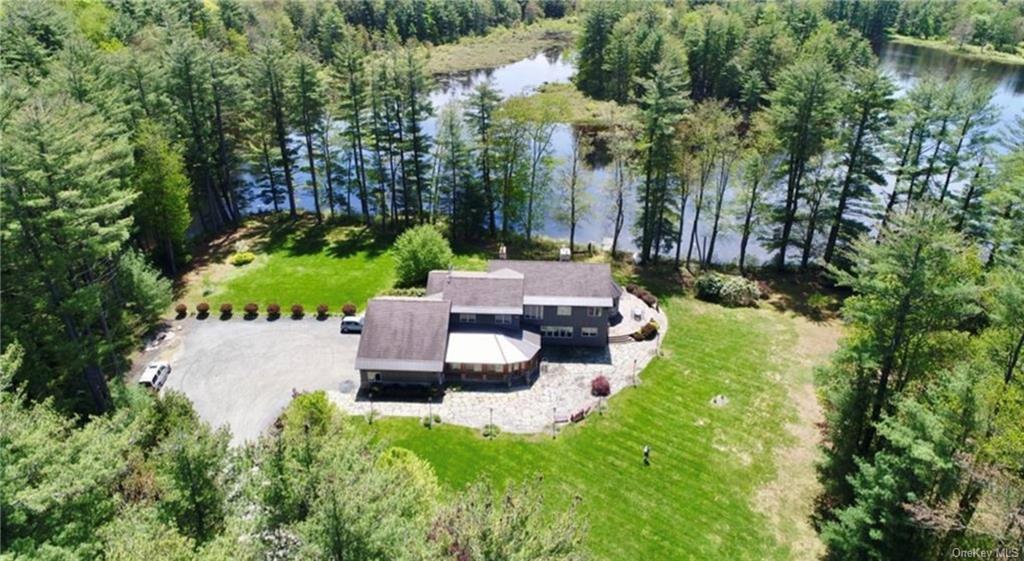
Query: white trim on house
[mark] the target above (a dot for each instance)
(573, 301)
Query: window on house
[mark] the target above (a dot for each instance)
(478, 368)
(595, 312)
(564, 311)
(533, 312)
(556, 331)
(503, 319)
(588, 331)
(467, 318)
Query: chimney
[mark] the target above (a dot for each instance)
(502, 252)
(564, 254)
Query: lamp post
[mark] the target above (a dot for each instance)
(492, 416)
(634, 372)
(553, 421)
(430, 412)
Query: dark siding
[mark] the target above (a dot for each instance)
(578, 320)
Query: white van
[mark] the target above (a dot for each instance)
(155, 375)
(352, 324)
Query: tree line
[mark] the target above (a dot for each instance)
(152, 480)
(132, 128)
(774, 122)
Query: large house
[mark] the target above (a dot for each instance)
(486, 326)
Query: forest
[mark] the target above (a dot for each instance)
(135, 130)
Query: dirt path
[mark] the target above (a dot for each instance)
(788, 499)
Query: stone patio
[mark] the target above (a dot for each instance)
(562, 388)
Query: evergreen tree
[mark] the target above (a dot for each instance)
(459, 199)
(802, 114)
(867, 106)
(268, 78)
(591, 75)
(190, 471)
(416, 109)
(912, 292)
(479, 112)
(307, 97)
(351, 73)
(661, 109)
(66, 223)
(160, 210)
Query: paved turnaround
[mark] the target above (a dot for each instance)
(241, 373)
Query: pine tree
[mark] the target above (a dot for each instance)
(662, 108)
(306, 95)
(66, 222)
(480, 108)
(867, 105)
(803, 112)
(161, 208)
(350, 71)
(268, 78)
(416, 109)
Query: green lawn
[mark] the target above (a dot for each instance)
(696, 499)
(304, 264)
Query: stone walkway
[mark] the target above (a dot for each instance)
(562, 388)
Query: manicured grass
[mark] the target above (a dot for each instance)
(696, 499)
(301, 263)
(500, 46)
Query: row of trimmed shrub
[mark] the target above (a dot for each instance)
(728, 290)
(643, 294)
(273, 309)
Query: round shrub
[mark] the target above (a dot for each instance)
(273, 309)
(418, 251)
(600, 387)
(297, 310)
(181, 310)
(242, 258)
(321, 310)
(709, 287)
(225, 309)
(348, 309)
(251, 309)
(729, 290)
(203, 308)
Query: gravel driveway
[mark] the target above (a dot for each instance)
(241, 373)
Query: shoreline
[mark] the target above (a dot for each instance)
(499, 47)
(970, 52)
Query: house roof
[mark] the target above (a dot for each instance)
(409, 334)
(499, 292)
(566, 283)
(482, 347)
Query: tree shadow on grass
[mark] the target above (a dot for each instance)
(811, 294)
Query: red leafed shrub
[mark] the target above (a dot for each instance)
(251, 309)
(321, 310)
(600, 387)
(273, 309)
(225, 309)
(297, 310)
(349, 309)
(203, 308)
(181, 310)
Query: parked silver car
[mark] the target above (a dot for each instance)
(352, 324)
(155, 375)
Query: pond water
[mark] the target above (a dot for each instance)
(904, 63)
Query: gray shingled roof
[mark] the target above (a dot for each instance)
(547, 281)
(478, 292)
(409, 334)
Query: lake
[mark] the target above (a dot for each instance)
(904, 63)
